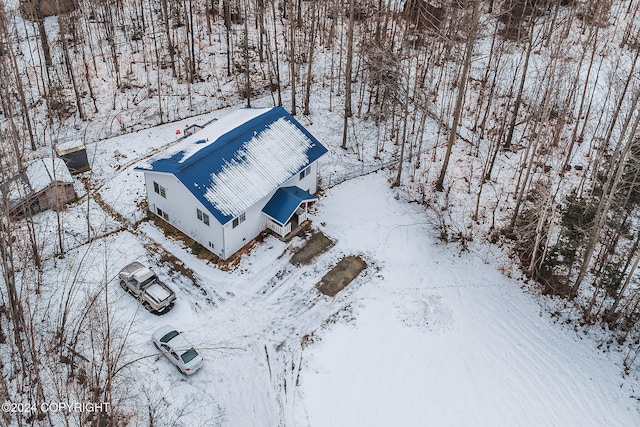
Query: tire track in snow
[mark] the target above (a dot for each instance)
(297, 308)
(275, 307)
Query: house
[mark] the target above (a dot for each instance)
(45, 184)
(251, 170)
(74, 154)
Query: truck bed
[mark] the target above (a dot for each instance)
(158, 292)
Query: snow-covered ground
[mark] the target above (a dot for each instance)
(426, 335)
(441, 338)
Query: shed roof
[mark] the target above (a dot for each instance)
(285, 201)
(42, 172)
(240, 159)
(64, 148)
(38, 175)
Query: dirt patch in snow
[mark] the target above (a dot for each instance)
(341, 275)
(203, 253)
(317, 244)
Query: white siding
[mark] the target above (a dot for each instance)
(254, 223)
(181, 206)
(310, 182)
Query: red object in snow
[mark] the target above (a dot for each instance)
(178, 132)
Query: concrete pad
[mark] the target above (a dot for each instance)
(341, 275)
(317, 244)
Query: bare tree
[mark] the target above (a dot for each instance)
(623, 146)
(462, 82)
(347, 75)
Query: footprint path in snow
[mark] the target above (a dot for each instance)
(426, 313)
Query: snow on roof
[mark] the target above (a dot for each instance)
(37, 176)
(203, 138)
(265, 162)
(238, 160)
(69, 147)
(16, 189)
(42, 172)
(143, 274)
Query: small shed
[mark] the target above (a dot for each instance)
(45, 184)
(191, 129)
(74, 154)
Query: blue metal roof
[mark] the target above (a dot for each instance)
(285, 202)
(199, 163)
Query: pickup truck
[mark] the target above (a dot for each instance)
(142, 283)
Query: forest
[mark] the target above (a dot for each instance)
(515, 122)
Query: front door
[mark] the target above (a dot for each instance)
(294, 221)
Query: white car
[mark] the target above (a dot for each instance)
(177, 349)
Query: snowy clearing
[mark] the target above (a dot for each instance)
(424, 336)
(438, 338)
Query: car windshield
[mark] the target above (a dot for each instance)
(189, 355)
(169, 336)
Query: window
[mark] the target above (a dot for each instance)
(163, 214)
(169, 336)
(189, 355)
(202, 216)
(305, 172)
(240, 219)
(159, 189)
(211, 245)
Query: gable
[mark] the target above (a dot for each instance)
(240, 167)
(284, 203)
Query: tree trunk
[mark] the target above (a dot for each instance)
(518, 101)
(462, 82)
(347, 75)
(277, 58)
(167, 27)
(247, 64)
(292, 58)
(312, 42)
(64, 31)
